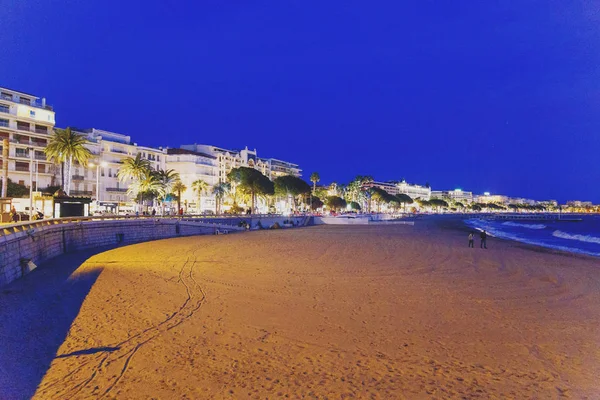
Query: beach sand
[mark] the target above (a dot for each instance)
(387, 312)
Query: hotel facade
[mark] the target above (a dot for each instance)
(455, 195)
(229, 159)
(99, 179)
(192, 166)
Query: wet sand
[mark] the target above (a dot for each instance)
(330, 312)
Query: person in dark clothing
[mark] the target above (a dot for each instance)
(153, 212)
(483, 240)
(471, 239)
(14, 217)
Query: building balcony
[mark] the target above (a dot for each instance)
(4, 124)
(78, 177)
(118, 190)
(21, 154)
(118, 151)
(81, 193)
(38, 144)
(21, 169)
(41, 130)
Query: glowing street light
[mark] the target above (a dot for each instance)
(103, 164)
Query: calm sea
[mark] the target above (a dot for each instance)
(576, 237)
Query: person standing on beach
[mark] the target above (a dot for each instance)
(471, 240)
(483, 240)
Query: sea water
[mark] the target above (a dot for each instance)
(581, 237)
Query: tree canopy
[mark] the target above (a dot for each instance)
(290, 185)
(252, 182)
(335, 202)
(354, 206)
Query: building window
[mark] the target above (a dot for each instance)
(101, 171)
(110, 172)
(22, 183)
(4, 109)
(32, 114)
(4, 122)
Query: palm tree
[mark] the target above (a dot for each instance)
(148, 184)
(66, 146)
(314, 178)
(179, 187)
(134, 168)
(199, 186)
(220, 190)
(166, 180)
(139, 169)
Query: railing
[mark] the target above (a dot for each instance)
(24, 128)
(22, 169)
(8, 229)
(39, 144)
(41, 130)
(27, 102)
(120, 190)
(22, 155)
(4, 124)
(78, 177)
(118, 151)
(5, 110)
(40, 157)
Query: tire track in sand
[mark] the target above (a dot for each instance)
(115, 364)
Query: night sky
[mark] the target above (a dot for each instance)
(495, 95)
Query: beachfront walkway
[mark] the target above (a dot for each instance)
(390, 311)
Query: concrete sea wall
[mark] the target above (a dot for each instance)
(23, 246)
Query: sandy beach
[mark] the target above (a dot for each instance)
(390, 312)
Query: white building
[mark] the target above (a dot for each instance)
(492, 198)
(27, 122)
(578, 203)
(389, 187)
(229, 159)
(456, 195)
(109, 149)
(414, 191)
(192, 166)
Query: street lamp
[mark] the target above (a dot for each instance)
(103, 164)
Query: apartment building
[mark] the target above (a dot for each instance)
(109, 149)
(192, 166)
(27, 122)
(229, 159)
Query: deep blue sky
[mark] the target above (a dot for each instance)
(494, 95)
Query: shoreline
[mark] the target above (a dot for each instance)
(535, 244)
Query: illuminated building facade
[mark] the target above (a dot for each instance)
(27, 122)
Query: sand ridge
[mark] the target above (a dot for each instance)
(332, 312)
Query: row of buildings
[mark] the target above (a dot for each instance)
(456, 195)
(27, 122)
